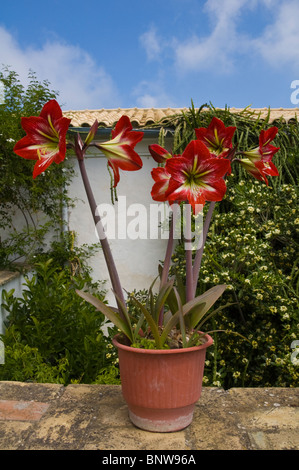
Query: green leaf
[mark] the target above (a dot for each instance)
(196, 308)
(181, 318)
(161, 299)
(108, 312)
(153, 326)
(194, 336)
(137, 328)
(124, 312)
(199, 306)
(151, 302)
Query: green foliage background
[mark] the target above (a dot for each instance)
(51, 334)
(38, 202)
(252, 246)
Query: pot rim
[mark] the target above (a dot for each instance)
(209, 341)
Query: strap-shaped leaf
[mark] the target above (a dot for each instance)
(172, 299)
(202, 303)
(196, 307)
(138, 327)
(153, 326)
(161, 299)
(108, 312)
(124, 312)
(194, 337)
(181, 318)
(151, 301)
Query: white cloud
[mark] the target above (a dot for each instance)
(216, 50)
(151, 43)
(152, 94)
(219, 50)
(70, 70)
(279, 44)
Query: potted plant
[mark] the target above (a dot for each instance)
(161, 344)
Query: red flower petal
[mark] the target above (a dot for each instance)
(216, 137)
(259, 169)
(46, 137)
(123, 132)
(52, 109)
(196, 176)
(120, 149)
(115, 172)
(41, 166)
(121, 155)
(159, 154)
(267, 136)
(161, 178)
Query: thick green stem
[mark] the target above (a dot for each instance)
(103, 239)
(167, 260)
(169, 249)
(188, 252)
(198, 256)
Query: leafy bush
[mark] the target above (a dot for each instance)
(29, 209)
(52, 335)
(253, 248)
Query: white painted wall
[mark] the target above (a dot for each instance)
(136, 260)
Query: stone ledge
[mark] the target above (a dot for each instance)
(95, 417)
(7, 276)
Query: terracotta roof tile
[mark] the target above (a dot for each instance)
(143, 116)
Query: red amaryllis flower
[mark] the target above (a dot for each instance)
(120, 149)
(196, 176)
(258, 161)
(216, 137)
(46, 137)
(159, 154)
(265, 151)
(259, 169)
(161, 177)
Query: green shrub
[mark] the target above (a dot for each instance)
(52, 334)
(252, 247)
(25, 364)
(30, 208)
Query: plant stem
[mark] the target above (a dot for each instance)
(188, 254)
(169, 248)
(103, 239)
(167, 260)
(198, 256)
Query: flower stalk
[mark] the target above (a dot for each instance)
(115, 281)
(188, 255)
(193, 178)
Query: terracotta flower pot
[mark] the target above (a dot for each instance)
(161, 387)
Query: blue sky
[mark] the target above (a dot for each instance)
(158, 53)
